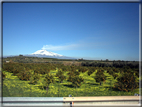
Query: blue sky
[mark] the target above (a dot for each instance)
(80, 30)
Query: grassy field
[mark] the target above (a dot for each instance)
(13, 87)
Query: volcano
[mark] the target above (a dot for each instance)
(48, 54)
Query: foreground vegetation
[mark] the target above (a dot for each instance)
(58, 80)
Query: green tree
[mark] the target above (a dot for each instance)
(91, 70)
(60, 75)
(48, 80)
(126, 82)
(82, 69)
(115, 75)
(24, 74)
(99, 77)
(110, 71)
(75, 78)
(34, 77)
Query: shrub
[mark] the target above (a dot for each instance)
(91, 70)
(100, 76)
(17, 69)
(73, 71)
(116, 70)
(82, 69)
(64, 68)
(76, 80)
(110, 71)
(60, 75)
(115, 75)
(74, 77)
(126, 82)
(8, 67)
(34, 77)
(24, 75)
(48, 79)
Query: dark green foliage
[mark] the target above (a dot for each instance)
(34, 77)
(48, 80)
(116, 64)
(8, 67)
(73, 68)
(136, 72)
(24, 75)
(38, 70)
(115, 75)
(126, 82)
(100, 76)
(73, 71)
(64, 68)
(74, 77)
(20, 55)
(110, 71)
(116, 70)
(17, 69)
(76, 80)
(68, 68)
(82, 69)
(60, 75)
(91, 70)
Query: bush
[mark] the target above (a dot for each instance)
(126, 82)
(48, 79)
(34, 77)
(24, 75)
(115, 75)
(91, 70)
(74, 77)
(82, 69)
(73, 71)
(100, 76)
(17, 69)
(60, 75)
(76, 80)
(8, 67)
(110, 71)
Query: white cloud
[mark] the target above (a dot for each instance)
(82, 45)
(61, 47)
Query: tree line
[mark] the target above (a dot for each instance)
(117, 64)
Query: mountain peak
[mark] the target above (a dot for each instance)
(45, 52)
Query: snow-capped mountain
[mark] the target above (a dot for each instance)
(45, 52)
(48, 54)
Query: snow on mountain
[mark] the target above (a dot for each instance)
(45, 52)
